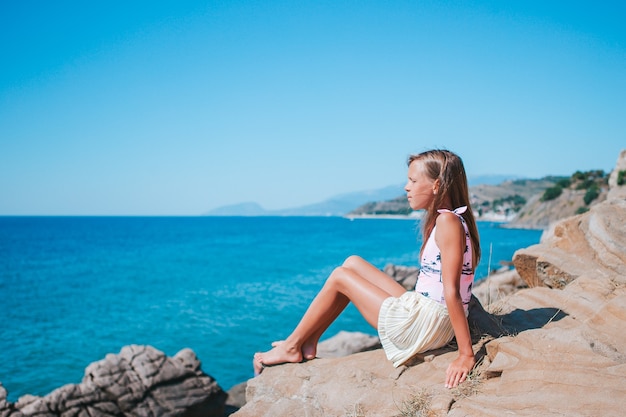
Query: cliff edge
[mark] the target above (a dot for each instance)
(556, 348)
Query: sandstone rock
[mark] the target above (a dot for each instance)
(617, 191)
(139, 381)
(342, 344)
(591, 243)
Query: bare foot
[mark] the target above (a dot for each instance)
(276, 356)
(309, 349)
(257, 364)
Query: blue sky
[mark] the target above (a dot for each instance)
(175, 108)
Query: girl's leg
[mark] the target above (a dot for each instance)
(370, 273)
(343, 284)
(374, 275)
(309, 347)
(365, 270)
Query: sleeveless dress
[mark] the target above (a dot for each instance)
(418, 321)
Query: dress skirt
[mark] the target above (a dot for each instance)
(411, 324)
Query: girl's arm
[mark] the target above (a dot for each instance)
(450, 237)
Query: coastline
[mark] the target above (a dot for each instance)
(488, 217)
(384, 216)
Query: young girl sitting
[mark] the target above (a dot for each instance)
(408, 322)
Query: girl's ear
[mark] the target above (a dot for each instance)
(436, 186)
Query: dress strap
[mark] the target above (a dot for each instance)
(458, 211)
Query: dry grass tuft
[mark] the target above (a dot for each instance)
(417, 406)
(471, 385)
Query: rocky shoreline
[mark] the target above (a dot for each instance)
(548, 335)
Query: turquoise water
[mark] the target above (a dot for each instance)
(74, 289)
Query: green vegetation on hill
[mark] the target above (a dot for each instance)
(509, 203)
(591, 181)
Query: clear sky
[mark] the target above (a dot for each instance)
(178, 107)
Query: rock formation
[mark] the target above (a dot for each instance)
(340, 345)
(556, 348)
(616, 190)
(139, 381)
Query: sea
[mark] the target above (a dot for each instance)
(74, 289)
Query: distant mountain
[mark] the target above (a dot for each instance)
(490, 179)
(338, 205)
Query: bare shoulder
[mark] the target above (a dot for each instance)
(448, 220)
(448, 227)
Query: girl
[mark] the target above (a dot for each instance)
(408, 322)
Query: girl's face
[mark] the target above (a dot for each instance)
(420, 189)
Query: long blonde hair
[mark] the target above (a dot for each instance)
(448, 169)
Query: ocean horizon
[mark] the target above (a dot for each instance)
(76, 288)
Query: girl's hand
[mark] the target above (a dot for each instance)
(459, 370)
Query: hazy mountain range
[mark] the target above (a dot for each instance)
(338, 205)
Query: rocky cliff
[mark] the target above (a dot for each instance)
(555, 348)
(567, 197)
